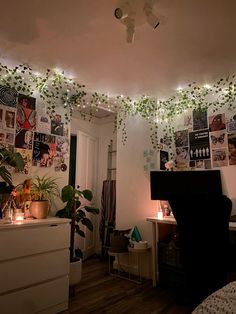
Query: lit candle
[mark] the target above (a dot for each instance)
(19, 217)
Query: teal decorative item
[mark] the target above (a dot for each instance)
(135, 235)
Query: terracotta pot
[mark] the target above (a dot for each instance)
(39, 209)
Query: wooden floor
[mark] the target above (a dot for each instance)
(98, 292)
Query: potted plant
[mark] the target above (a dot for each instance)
(8, 158)
(76, 211)
(42, 191)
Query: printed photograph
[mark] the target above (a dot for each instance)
(199, 120)
(207, 164)
(24, 139)
(231, 127)
(217, 122)
(199, 145)
(1, 117)
(8, 96)
(10, 138)
(219, 157)
(57, 127)
(2, 136)
(218, 139)
(181, 138)
(232, 148)
(200, 164)
(182, 157)
(10, 119)
(42, 155)
(43, 124)
(164, 157)
(27, 156)
(26, 113)
(63, 147)
(188, 120)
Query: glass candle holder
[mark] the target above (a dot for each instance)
(19, 217)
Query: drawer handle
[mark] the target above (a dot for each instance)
(53, 225)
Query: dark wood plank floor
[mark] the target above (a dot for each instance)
(98, 292)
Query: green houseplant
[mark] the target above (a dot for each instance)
(8, 158)
(42, 191)
(76, 211)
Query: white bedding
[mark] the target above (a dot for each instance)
(222, 301)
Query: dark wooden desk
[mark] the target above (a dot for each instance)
(155, 238)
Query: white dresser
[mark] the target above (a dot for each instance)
(34, 266)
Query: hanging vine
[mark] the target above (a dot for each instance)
(56, 89)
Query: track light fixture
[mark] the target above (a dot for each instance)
(123, 11)
(151, 18)
(130, 12)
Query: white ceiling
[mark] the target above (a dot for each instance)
(194, 42)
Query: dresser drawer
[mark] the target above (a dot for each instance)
(50, 297)
(30, 270)
(33, 240)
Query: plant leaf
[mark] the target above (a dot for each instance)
(88, 195)
(79, 253)
(92, 210)
(5, 174)
(87, 222)
(67, 193)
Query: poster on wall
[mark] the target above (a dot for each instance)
(26, 113)
(57, 126)
(44, 149)
(182, 157)
(27, 156)
(217, 122)
(199, 119)
(24, 139)
(231, 127)
(9, 119)
(8, 96)
(43, 123)
(181, 138)
(232, 148)
(10, 138)
(2, 136)
(188, 120)
(218, 139)
(63, 147)
(219, 157)
(1, 117)
(207, 164)
(164, 157)
(199, 145)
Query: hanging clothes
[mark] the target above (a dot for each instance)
(108, 213)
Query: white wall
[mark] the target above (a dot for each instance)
(134, 203)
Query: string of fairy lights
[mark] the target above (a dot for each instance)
(55, 88)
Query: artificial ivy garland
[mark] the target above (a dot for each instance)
(58, 90)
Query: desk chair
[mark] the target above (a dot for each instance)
(202, 224)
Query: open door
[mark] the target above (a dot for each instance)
(86, 178)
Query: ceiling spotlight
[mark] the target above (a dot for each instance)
(122, 12)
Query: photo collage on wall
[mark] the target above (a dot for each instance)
(41, 141)
(210, 144)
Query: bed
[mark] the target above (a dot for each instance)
(222, 301)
